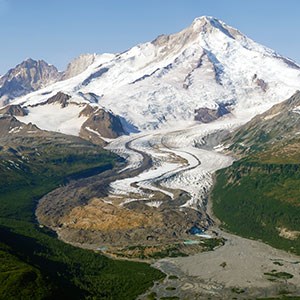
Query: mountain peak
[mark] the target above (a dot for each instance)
(201, 22)
(208, 24)
(36, 61)
(30, 60)
(205, 19)
(26, 77)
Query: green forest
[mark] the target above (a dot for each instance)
(258, 200)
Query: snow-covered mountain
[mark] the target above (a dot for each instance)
(26, 77)
(207, 65)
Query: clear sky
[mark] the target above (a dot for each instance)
(59, 30)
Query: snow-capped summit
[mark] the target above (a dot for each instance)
(207, 23)
(207, 65)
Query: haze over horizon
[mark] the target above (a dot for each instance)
(58, 31)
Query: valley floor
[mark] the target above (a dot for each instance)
(242, 268)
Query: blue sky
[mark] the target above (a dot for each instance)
(59, 30)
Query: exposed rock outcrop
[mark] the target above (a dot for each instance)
(260, 82)
(207, 115)
(13, 110)
(101, 123)
(60, 98)
(9, 125)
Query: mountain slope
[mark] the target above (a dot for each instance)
(207, 65)
(258, 196)
(26, 77)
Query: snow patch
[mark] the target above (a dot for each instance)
(296, 110)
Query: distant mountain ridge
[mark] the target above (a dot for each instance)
(31, 75)
(26, 77)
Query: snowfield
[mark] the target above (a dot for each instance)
(53, 118)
